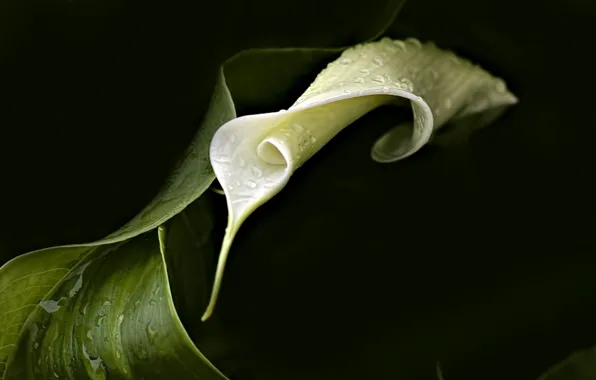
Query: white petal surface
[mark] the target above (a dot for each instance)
(254, 156)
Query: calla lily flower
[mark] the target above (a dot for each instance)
(254, 156)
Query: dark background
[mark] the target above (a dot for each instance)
(479, 257)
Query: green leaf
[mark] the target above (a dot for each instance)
(26, 280)
(113, 315)
(254, 156)
(581, 365)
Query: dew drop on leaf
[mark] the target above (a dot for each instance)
(99, 320)
(83, 309)
(151, 333)
(50, 306)
(378, 79)
(143, 353)
(257, 172)
(156, 289)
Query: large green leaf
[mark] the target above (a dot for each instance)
(113, 315)
(25, 280)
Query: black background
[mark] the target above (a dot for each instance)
(480, 257)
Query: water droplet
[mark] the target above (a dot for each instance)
(99, 320)
(407, 83)
(378, 79)
(36, 345)
(50, 306)
(56, 375)
(77, 286)
(251, 184)
(359, 80)
(151, 333)
(153, 302)
(83, 309)
(118, 354)
(298, 128)
(257, 172)
(142, 354)
(400, 45)
(95, 361)
(378, 60)
(107, 303)
(39, 361)
(156, 289)
(106, 339)
(364, 71)
(415, 42)
(347, 91)
(241, 162)
(346, 61)
(391, 50)
(313, 139)
(120, 318)
(89, 335)
(447, 103)
(137, 304)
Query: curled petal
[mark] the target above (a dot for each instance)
(254, 156)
